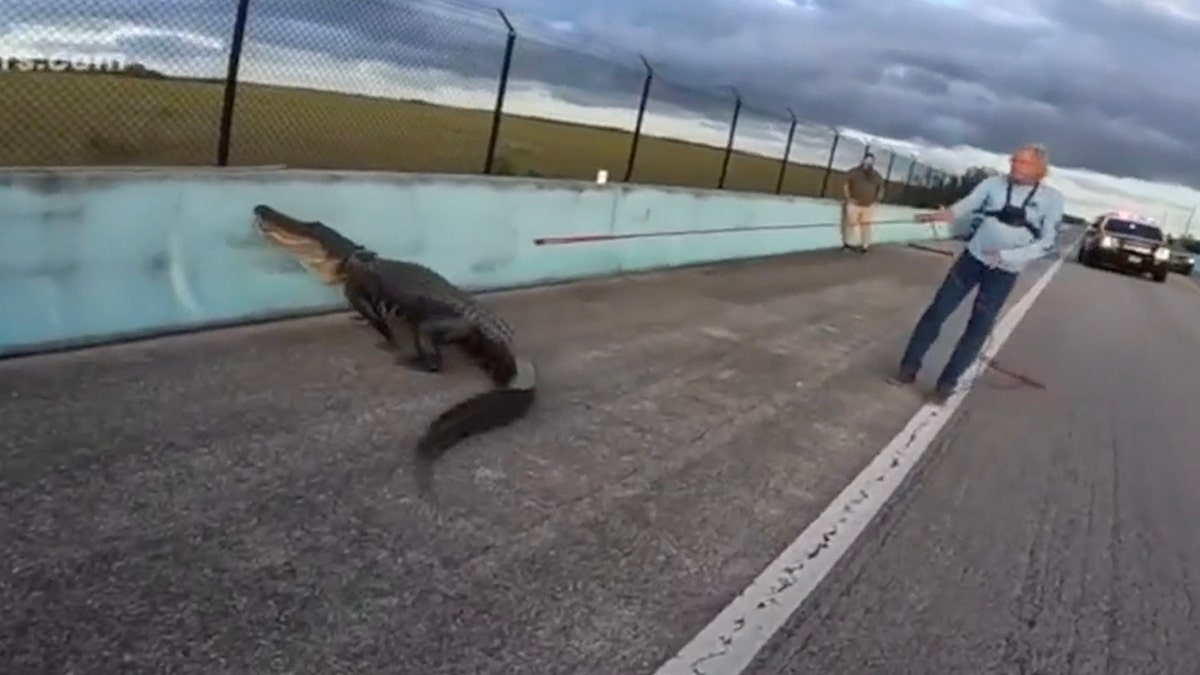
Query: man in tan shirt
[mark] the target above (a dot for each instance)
(861, 190)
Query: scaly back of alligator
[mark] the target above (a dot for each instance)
(490, 343)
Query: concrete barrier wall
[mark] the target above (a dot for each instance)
(89, 256)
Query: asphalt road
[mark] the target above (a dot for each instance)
(239, 501)
(1047, 532)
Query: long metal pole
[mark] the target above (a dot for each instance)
(591, 238)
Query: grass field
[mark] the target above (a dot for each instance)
(89, 119)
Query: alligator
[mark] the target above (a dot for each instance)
(403, 298)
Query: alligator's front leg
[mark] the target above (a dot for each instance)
(360, 304)
(430, 334)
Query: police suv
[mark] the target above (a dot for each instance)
(1126, 242)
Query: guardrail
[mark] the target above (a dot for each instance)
(90, 256)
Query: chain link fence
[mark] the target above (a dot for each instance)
(429, 86)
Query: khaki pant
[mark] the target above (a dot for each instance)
(856, 224)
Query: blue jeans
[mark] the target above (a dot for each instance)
(966, 273)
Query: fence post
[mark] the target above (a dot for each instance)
(641, 115)
(888, 176)
(787, 153)
(510, 43)
(737, 112)
(837, 137)
(225, 130)
(912, 167)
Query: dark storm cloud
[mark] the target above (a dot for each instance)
(1110, 86)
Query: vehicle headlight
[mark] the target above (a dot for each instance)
(1107, 242)
(1162, 254)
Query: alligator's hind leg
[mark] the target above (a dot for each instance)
(428, 356)
(429, 335)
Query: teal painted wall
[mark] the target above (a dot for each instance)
(90, 256)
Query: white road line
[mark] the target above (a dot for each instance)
(730, 642)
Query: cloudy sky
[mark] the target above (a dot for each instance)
(1110, 85)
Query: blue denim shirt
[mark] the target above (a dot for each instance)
(1018, 246)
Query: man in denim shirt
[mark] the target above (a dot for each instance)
(1020, 220)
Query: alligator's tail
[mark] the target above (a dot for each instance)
(483, 412)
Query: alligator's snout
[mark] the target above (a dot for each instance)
(316, 246)
(275, 224)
